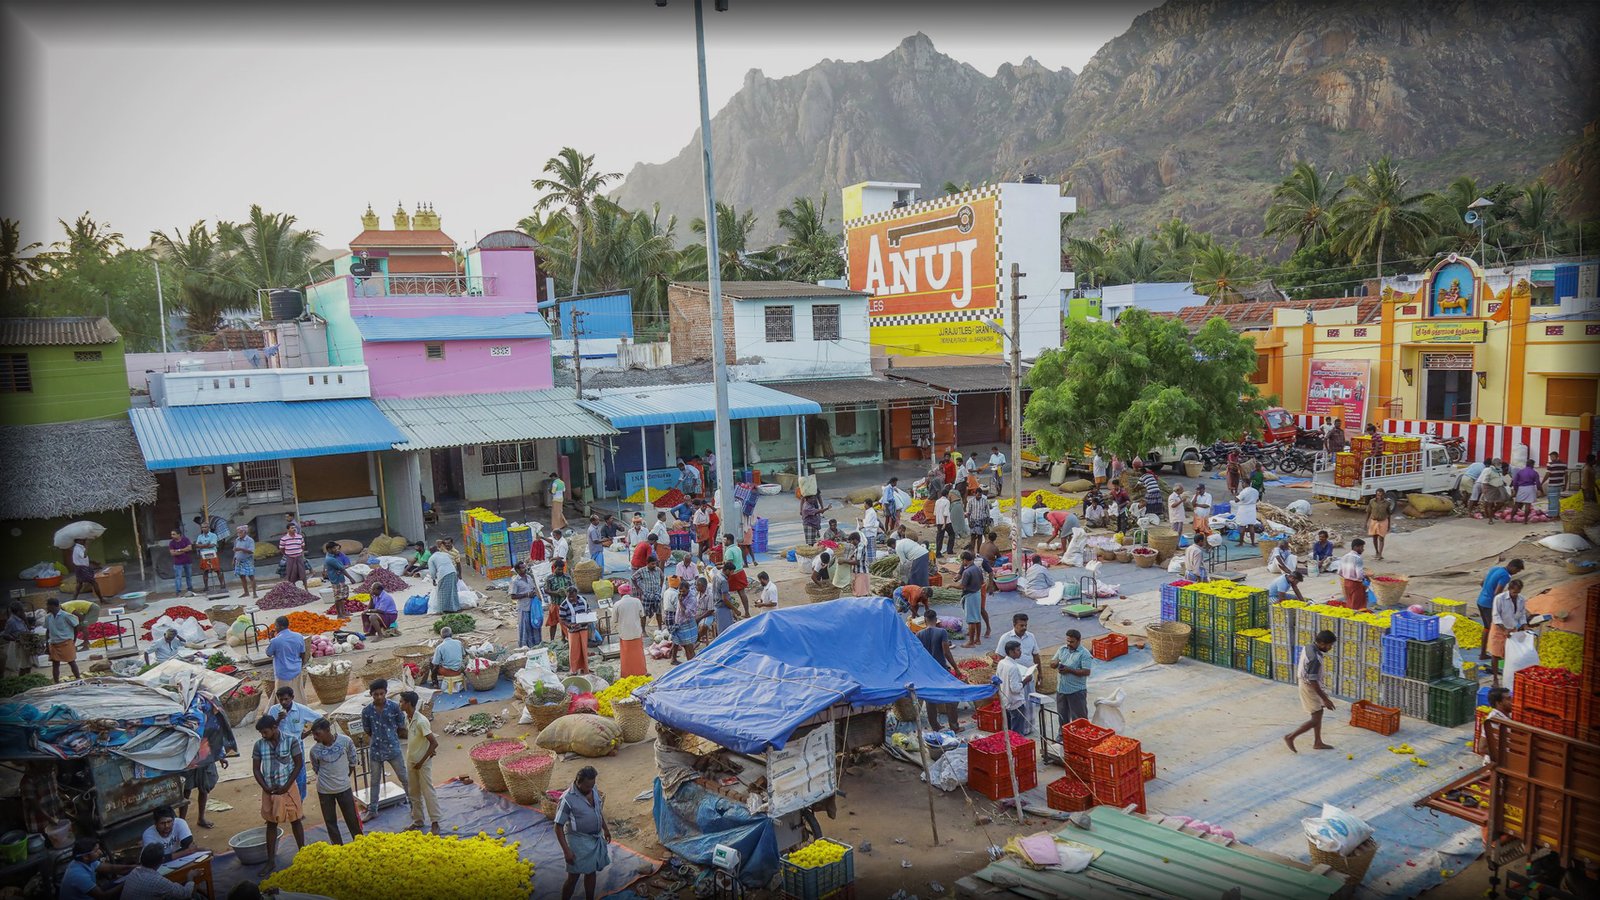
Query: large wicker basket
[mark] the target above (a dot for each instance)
(483, 679)
(526, 788)
(1163, 540)
(584, 574)
(489, 776)
(377, 667)
(1167, 640)
(418, 655)
(905, 710)
(331, 687)
(1146, 560)
(1047, 675)
(1266, 546)
(1353, 867)
(630, 714)
(223, 616)
(982, 675)
(237, 705)
(821, 593)
(1390, 594)
(545, 713)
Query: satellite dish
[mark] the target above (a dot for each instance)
(1471, 218)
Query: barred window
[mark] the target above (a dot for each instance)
(780, 324)
(86, 355)
(825, 322)
(15, 377)
(501, 459)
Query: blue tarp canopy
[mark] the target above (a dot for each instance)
(377, 329)
(172, 437)
(763, 678)
(682, 404)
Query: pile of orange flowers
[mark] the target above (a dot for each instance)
(310, 623)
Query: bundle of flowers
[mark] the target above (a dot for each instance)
(623, 688)
(409, 865)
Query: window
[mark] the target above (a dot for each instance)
(14, 375)
(1569, 396)
(434, 351)
(86, 355)
(844, 420)
(1263, 370)
(780, 324)
(259, 482)
(769, 430)
(501, 459)
(825, 322)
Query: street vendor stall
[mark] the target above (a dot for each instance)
(750, 728)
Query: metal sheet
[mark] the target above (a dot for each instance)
(687, 403)
(380, 329)
(173, 437)
(475, 419)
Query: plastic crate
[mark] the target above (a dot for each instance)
(1408, 624)
(1080, 735)
(1393, 653)
(1283, 673)
(998, 787)
(1122, 791)
(1203, 654)
(1409, 695)
(1425, 660)
(1261, 666)
(1186, 615)
(1108, 765)
(1240, 661)
(1169, 610)
(1559, 700)
(1147, 766)
(1077, 765)
(817, 883)
(1108, 646)
(997, 763)
(990, 717)
(1068, 794)
(1169, 591)
(1187, 598)
(1371, 716)
(1568, 727)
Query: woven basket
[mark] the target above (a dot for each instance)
(1572, 521)
(1163, 540)
(584, 574)
(821, 593)
(526, 789)
(1266, 547)
(980, 675)
(1145, 560)
(1106, 554)
(1353, 867)
(224, 616)
(905, 710)
(375, 668)
(483, 679)
(1167, 640)
(489, 776)
(1045, 678)
(416, 654)
(1124, 555)
(236, 706)
(545, 713)
(331, 688)
(630, 714)
(806, 551)
(1390, 593)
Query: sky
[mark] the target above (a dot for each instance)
(153, 115)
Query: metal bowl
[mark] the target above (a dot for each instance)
(250, 845)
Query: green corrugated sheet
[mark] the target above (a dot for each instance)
(1166, 863)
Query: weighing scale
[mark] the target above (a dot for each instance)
(725, 863)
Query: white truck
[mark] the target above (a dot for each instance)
(1426, 471)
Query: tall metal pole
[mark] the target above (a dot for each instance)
(732, 513)
(1016, 423)
(161, 303)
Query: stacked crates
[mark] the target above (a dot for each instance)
(1261, 654)
(1451, 701)
(1217, 612)
(521, 542)
(487, 542)
(1347, 468)
(1589, 685)
(1281, 619)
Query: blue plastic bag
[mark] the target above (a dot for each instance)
(416, 605)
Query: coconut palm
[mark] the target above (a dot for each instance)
(735, 260)
(1136, 261)
(205, 290)
(1088, 261)
(266, 251)
(1302, 206)
(1219, 272)
(1380, 215)
(811, 250)
(1538, 225)
(19, 262)
(573, 186)
(950, 187)
(87, 240)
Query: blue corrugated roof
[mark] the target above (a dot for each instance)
(603, 317)
(172, 437)
(679, 404)
(451, 328)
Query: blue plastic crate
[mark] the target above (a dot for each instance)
(1393, 660)
(1169, 594)
(1419, 627)
(1169, 609)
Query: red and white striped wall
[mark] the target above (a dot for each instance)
(1499, 441)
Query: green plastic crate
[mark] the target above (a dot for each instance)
(1244, 643)
(1186, 598)
(1241, 661)
(1228, 607)
(1261, 665)
(1186, 615)
(1202, 652)
(1203, 619)
(1451, 702)
(1425, 660)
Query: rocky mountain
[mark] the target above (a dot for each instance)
(1197, 110)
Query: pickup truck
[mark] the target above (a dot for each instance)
(1182, 449)
(1427, 471)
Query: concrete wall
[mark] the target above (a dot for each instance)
(515, 274)
(804, 357)
(65, 389)
(258, 385)
(481, 488)
(402, 368)
(141, 365)
(1030, 235)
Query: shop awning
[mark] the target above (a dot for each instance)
(857, 391)
(682, 404)
(472, 419)
(173, 437)
(380, 329)
(961, 379)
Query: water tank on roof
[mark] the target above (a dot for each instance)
(285, 305)
(190, 365)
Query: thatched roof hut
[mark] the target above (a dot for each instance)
(71, 469)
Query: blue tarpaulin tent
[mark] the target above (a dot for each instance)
(767, 675)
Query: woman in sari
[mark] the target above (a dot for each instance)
(442, 570)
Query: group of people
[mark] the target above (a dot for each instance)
(1491, 486)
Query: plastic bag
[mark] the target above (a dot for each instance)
(585, 734)
(1175, 565)
(1336, 831)
(1108, 712)
(1521, 652)
(583, 703)
(467, 598)
(67, 534)
(950, 770)
(1300, 507)
(1565, 543)
(42, 570)
(416, 605)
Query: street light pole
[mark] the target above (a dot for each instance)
(161, 305)
(1015, 323)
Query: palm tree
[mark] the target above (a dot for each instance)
(1302, 206)
(1088, 261)
(88, 239)
(266, 251)
(1381, 215)
(734, 258)
(811, 251)
(1219, 271)
(950, 187)
(19, 262)
(573, 186)
(1539, 228)
(205, 291)
(1140, 260)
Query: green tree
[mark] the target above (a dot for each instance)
(811, 250)
(1142, 383)
(205, 290)
(266, 251)
(1218, 272)
(1316, 270)
(87, 240)
(1302, 207)
(1380, 216)
(950, 187)
(735, 259)
(1088, 260)
(1536, 223)
(19, 262)
(573, 187)
(1138, 260)
(1449, 209)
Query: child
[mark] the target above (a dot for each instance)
(1322, 553)
(1499, 708)
(769, 591)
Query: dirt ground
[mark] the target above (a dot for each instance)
(883, 809)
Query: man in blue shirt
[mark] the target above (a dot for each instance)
(449, 658)
(1072, 680)
(1493, 584)
(385, 725)
(81, 881)
(288, 652)
(1287, 583)
(295, 719)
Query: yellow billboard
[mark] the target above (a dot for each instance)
(1450, 332)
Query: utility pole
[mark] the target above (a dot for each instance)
(161, 310)
(577, 387)
(1015, 324)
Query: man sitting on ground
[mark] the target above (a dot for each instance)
(449, 658)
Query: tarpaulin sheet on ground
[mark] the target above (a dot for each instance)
(693, 821)
(159, 730)
(768, 674)
(465, 810)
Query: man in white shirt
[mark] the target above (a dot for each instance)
(913, 561)
(1019, 632)
(1097, 465)
(1175, 514)
(560, 547)
(1352, 571)
(1202, 501)
(997, 464)
(659, 529)
(943, 526)
(634, 536)
(1036, 582)
(1014, 676)
(629, 615)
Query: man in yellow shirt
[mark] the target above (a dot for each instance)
(87, 613)
(421, 747)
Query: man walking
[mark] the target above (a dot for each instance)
(1555, 481)
(421, 747)
(385, 726)
(1072, 662)
(1152, 489)
(1313, 699)
(1380, 510)
(558, 499)
(943, 527)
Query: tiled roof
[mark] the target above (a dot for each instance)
(770, 290)
(378, 237)
(959, 379)
(233, 339)
(1246, 316)
(432, 264)
(63, 331)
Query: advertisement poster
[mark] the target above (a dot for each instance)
(1339, 387)
(933, 276)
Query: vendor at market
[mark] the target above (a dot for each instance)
(449, 658)
(88, 876)
(170, 833)
(379, 618)
(87, 613)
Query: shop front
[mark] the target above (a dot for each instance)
(863, 421)
(981, 410)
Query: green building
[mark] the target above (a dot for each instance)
(70, 451)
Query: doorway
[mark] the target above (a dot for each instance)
(1448, 386)
(448, 481)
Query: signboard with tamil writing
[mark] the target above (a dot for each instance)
(1450, 332)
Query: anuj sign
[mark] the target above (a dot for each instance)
(933, 273)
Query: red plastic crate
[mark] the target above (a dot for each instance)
(1121, 791)
(1068, 794)
(1537, 719)
(1079, 735)
(990, 717)
(1147, 766)
(1108, 646)
(998, 787)
(1024, 753)
(1109, 764)
(1558, 700)
(1078, 764)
